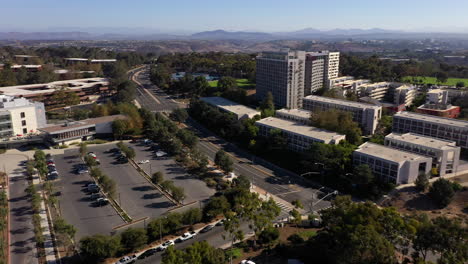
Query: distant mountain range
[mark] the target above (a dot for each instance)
(307, 33)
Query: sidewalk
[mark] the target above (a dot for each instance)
(449, 176)
(285, 206)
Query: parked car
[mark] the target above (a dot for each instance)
(148, 253)
(185, 236)
(50, 163)
(165, 245)
(83, 170)
(95, 196)
(220, 223)
(207, 228)
(93, 188)
(126, 259)
(247, 261)
(160, 153)
(52, 175)
(143, 161)
(102, 201)
(113, 150)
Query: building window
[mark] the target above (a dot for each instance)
(23, 115)
(23, 122)
(25, 130)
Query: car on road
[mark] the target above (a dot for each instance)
(102, 201)
(185, 236)
(126, 259)
(147, 253)
(247, 261)
(207, 228)
(220, 223)
(143, 161)
(165, 245)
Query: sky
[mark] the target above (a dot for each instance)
(232, 15)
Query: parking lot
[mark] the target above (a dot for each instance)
(195, 189)
(75, 204)
(136, 195)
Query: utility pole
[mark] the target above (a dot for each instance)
(160, 230)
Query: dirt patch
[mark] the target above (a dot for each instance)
(409, 200)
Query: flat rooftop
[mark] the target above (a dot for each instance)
(340, 102)
(230, 106)
(298, 128)
(388, 153)
(433, 119)
(35, 89)
(417, 139)
(70, 126)
(295, 112)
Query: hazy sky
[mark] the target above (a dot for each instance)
(264, 15)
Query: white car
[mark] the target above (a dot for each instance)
(246, 261)
(165, 245)
(160, 154)
(143, 161)
(126, 259)
(185, 236)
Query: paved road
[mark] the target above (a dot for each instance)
(267, 176)
(75, 205)
(195, 189)
(137, 196)
(213, 237)
(22, 243)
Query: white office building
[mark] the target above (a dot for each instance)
(20, 117)
(432, 126)
(444, 153)
(366, 115)
(299, 136)
(297, 115)
(392, 165)
(239, 110)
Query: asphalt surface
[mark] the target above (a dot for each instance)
(213, 237)
(271, 178)
(75, 204)
(22, 241)
(136, 195)
(195, 189)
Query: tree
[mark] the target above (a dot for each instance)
(422, 182)
(62, 227)
(338, 121)
(126, 92)
(297, 204)
(187, 137)
(98, 247)
(133, 238)
(90, 161)
(223, 161)
(242, 182)
(460, 84)
(442, 77)
(296, 217)
(179, 115)
(268, 236)
(157, 177)
(267, 106)
(192, 216)
(83, 149)
(178, 193)
(227, 83)
(197, 253)
(215, 207)
(441, 192)
(119, 128)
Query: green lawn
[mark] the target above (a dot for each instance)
(242, 83)
(433, 80)
(307, 234)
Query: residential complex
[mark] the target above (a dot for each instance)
(239, 110)
(20, 117)
(392, 165)
(437, 127)
(442, 110)
(291, 75)
(299, 136)
(394, 93)
(345, 83)
(297, 115)
(89, 90)
(366, 115)
(80, 130)
(445, 154)
(437, 96)
(89, 61)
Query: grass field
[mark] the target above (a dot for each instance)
(241, 83)
(433, 80)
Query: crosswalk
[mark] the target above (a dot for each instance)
(285, 209)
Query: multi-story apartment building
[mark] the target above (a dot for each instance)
(442, 110)
(282, 74)
(392, 165)
(437, 96)
(291, 75)
(297, 115)
(394, 93)
(404, 94)
(366, 115)
(432, 126)
(376, 91)
(240, 111)
(445, 154)
(299, 136)
(320, 67)
(19, 116)
(346, 83)
(89, 90)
